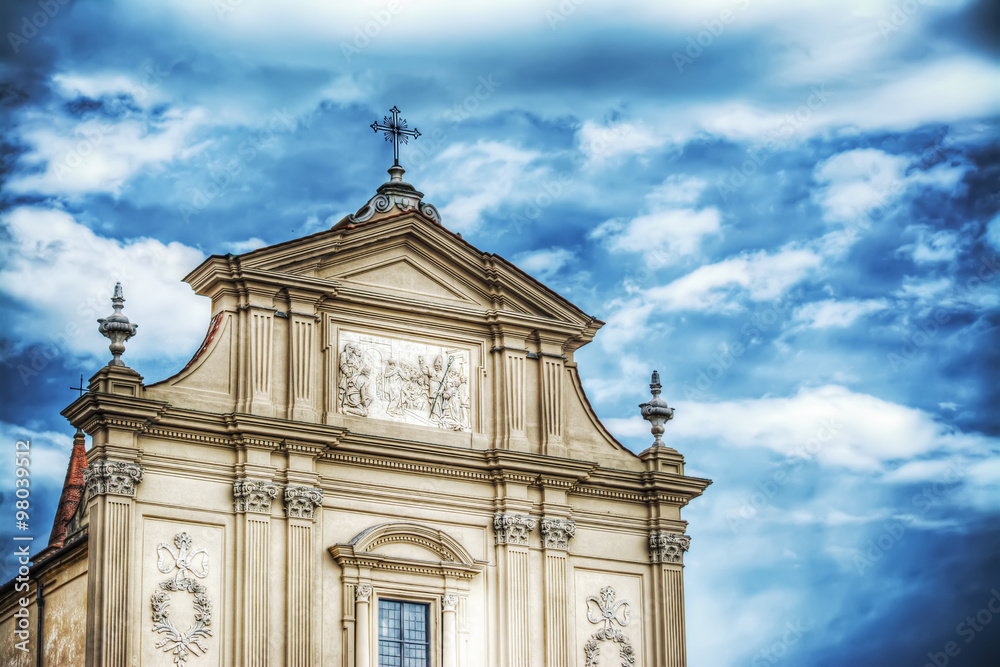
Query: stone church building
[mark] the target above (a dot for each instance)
(380, 455)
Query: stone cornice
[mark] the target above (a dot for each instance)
(345, 555)
(337, 444)
(97, 410)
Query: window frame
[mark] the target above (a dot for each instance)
(433, 641)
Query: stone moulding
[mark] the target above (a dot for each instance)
(301, 501)
(118, 478)
(253, 495)
(556, 533)
(454, 559)
(668, 547)
(512, 528)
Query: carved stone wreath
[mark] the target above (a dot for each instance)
(185, 560)
(605, 610)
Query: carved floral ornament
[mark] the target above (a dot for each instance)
(512, 528)
(113, 477)
(301, 501)
(185, 560)
(556, 533)
(253, 495)
(449, 602)
(605, 610)
(668, 547)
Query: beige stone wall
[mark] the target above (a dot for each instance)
(64, 587)
(318, 455)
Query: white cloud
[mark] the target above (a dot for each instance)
(601, 143)
(831, 313)
(758, 275)
(101, 155)
(830, 424)
(544, 264)
(62, 274)
(924, 291)
(992, 235)
(479, 178)
(931, 246)
(857, 181)
(669, 229)
(145, 89)
(240, 247)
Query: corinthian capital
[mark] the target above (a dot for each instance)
(668, 547)
(512, 528)
(253, 495)
(117, 478)
(556, 533)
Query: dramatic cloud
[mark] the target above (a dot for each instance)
(789, 209)
(61, 274)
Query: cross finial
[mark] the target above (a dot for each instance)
(395, 131)
(81, 388)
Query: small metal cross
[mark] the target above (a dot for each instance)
(395, 131)
(81, 388)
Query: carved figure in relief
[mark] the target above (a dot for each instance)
(355, 396)
(392, 387)
(384, 378)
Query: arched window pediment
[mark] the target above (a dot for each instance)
(373, 547)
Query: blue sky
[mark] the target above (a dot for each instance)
(789, 209)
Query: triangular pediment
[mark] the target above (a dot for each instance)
(406, 258)
(403, 274)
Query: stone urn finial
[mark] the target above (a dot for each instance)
(117, 328)
(656, 411)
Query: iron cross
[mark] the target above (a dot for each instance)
(395, 130)
(81, 388)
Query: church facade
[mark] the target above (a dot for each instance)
(381, 455)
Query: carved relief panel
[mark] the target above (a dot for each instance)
(182, 594)
(404, 381)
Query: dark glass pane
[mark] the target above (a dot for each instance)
(389, 625)
(389, 654)
(415, 623)
(403, 634)
(415, 655)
